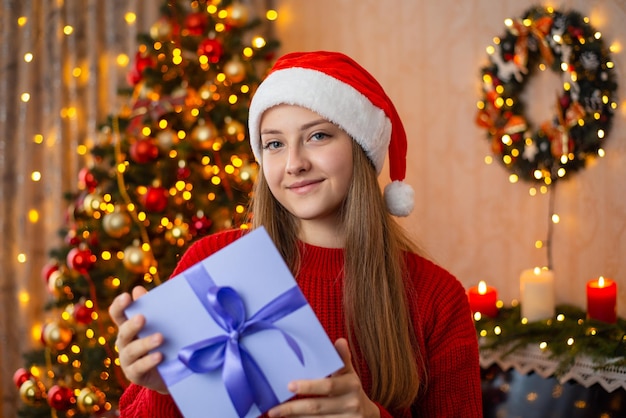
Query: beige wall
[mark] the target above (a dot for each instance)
(469, 217)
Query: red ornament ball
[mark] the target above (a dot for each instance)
(155, 199)
(144, 150)
(200, 224)
(133, 77)
(80, 259)
(61, 398)
(20, 376)
(212, 49)
(71, 238)
(48, 269)
(142, 62)
(86, 180)
(196, 23)
(183, 173)
(82, 313)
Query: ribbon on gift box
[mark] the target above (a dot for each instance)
(243, 378)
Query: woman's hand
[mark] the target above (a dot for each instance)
(138, 364)
(341, 394)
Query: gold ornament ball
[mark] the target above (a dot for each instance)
(57, 281)
(237, 14)
(116, 224)
(90, 401)
(204, 134)
(57, 336)
(235, 129)
(31, 393)
(166, 139)
(69, 312)
(206, 91)
(91, 203)
(235, 71)
(136, 260)
(161, 30)
(177, 232)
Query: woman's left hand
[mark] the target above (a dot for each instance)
(341, 394)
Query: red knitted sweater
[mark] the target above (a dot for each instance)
(441, 316)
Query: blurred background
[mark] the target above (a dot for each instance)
(83, 83)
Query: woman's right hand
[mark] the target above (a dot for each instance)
(136, 360)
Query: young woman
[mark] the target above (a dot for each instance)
(321, 127)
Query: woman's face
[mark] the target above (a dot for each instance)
(307, 162)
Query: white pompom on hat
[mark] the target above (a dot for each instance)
(340, 90)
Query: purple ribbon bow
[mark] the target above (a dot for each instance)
(243, 378)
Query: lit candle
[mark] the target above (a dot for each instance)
(602, 300)
(483, 298)
(537, 294)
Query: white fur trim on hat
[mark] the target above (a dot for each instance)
(399, 198)
(332, 99)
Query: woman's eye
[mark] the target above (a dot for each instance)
(270, 145)
(319, 136)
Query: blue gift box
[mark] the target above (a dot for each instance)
(237, 329)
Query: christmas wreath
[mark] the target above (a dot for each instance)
(565, 43)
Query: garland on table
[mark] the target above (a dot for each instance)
(565, 337)
(566, 43)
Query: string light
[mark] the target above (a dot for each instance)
(130, 17)
(33, 216)
(271, 15)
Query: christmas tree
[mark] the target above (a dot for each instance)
(173, 165)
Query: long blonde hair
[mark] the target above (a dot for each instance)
(375, 295)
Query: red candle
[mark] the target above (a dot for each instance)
(483, 298)
(602, 300)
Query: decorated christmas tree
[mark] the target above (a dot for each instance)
(173, 165)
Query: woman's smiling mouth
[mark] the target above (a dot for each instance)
(304, 186)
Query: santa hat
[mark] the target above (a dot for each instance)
(337, 88)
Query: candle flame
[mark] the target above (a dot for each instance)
(482, 287)
(537, 270)
(601, 281)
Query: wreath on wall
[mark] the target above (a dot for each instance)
(566, 44)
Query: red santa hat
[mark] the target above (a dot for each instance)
(340, 90)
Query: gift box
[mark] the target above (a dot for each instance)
(237, 329)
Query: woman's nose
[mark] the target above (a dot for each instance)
(297, 160)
